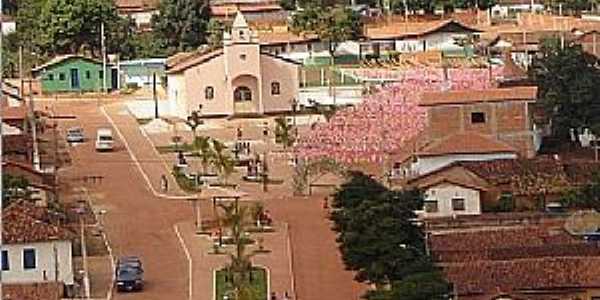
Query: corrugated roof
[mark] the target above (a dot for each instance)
(521, 93)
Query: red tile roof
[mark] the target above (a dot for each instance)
(187, 60)
(275, 38)
(466, 143)
(413, 29)
(230, 10)
(521, 93)
(136, 5)
(492, 277)
(22, 226)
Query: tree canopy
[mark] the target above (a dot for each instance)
(181, 24)
(379, 240)
(568, 78)
(332, 24)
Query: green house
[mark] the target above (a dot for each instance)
(72, 73)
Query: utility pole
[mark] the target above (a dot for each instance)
(33, 124)
(1, 154)
(102, 40)
(22, 90)
(154, 95)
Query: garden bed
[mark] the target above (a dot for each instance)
(258, 284)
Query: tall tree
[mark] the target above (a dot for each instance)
(70, 26)
(378, 238)
(181, 25)
(568, 78)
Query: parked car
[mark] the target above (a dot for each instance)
(129, 275)
(75, 135)
(104, 139)
(130, 262)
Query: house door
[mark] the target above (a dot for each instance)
(75, 79)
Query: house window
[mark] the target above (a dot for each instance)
(477, 118)
(242, 93)
(243, 56)
(29, 259)
(458, 204)
(100, 74)
(275, 88)
(209, 93)
(88, 74)
(50, 77)
(5, 265)
(431, 206)
(61, 76)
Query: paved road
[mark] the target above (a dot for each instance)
(137, 223)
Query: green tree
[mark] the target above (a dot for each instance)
(283, 132)
(377, 236)
(568, 85)
(203, 149)
(222, 160)
(332, 24)
(71, 26)
(215, 31)
(181, 25)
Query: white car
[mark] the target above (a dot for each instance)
(75, 135)
(104, 140)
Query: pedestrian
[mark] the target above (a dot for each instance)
(325, 203)
(273, 296)
(286, 296)
(164, 183)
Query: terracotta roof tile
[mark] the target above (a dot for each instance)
(274, 38)
(465, 143)
(491, 277)
(412, 29)
(223, 10)
(21, 226)
(521, 93)
(189, 60)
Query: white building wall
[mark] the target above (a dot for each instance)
(444, 193)
(427, 164)
(46, 261)
(177, 95)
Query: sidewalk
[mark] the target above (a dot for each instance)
(144, 154)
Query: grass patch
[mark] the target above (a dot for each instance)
(258, 284)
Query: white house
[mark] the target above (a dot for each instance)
(504, 9)
(34, 251)
(447, 199)
(141, 11)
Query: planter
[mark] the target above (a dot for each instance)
(259, 283)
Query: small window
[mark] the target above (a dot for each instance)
(5, 264)
(50, 77)
(61, 76)
(477, 118)
(88, 74)
(209, 93)
(100, 74)
(275, 88)
(29, 259)
(431, 206)
(241, 33)
(243, 56)
(242, 93)
(458, 204)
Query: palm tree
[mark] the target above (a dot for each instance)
(221, 160)
(202, 148)
(239, 269)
